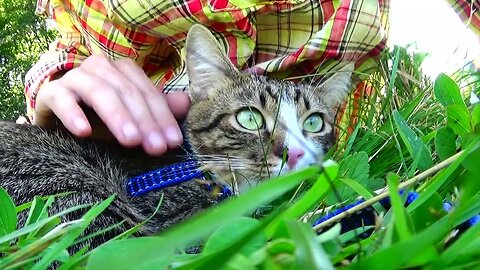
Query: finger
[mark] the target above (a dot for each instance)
(55, 98)
(104, 100)
(165, 120)
(155, 101)
(179, 104)
(134, 99)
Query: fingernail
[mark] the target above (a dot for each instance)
(130, 131)
(155, 140)
(174, 137)
(80, 124)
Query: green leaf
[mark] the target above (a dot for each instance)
(472, 164)
(309, 253)
(447, 91)
(200, 226)
(8, 214)
(393, 77)
(427, 213)
(445, 143)
(204, 223)
(354, 236)
(230, 232)
(281, 246)
(55, 250)
(458, 119)
(398, 254)
(331, 234)
(352, 249)
(45, 229)
(215, 260)
(400, 216)
(441, 178)
(411, 105)
(259, 256)
(476, 118)
(311, 198)
(135, 253)
(281, 254)
(240, 262)
(356, 167)
(23, 255)
(330, 240)
(350, 141)
(43, 214)
(468, 240)
(358, 188)
(415, 146)
(466, 208)
(34, 227)
(75, 260)
(48, 198)
(280, 231)
(470, 264)
(35, 210)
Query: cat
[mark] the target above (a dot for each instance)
(242, 127)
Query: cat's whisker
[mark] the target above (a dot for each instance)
(234, 164)
(218, 156)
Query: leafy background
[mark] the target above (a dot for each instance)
(404, 132)
(23, 37)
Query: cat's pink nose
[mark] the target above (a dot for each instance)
(294, 154)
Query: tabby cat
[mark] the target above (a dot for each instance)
(243, 127)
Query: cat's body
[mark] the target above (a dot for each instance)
(38, 162)
(243, 127)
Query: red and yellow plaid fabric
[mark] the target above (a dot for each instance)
(468, 11)
(281, 38)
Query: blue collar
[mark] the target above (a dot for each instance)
(164, 177)
(171, 175)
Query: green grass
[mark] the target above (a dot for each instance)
(409, 133)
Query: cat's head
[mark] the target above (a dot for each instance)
(248, 127)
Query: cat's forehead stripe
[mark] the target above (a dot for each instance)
(262, 100)
(268, 89)
(306, 102)
(297, 94)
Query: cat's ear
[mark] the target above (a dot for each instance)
(336, 88)
(207, 63)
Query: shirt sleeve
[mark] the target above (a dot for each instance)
(66, 52)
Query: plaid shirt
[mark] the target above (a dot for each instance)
(281, 38)
(468, 11)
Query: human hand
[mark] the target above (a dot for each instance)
(122, 96)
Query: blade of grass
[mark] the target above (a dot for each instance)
(400, 217)
(33, 227)
(308, 252)
(67, 241)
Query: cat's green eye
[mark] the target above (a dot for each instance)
(313, 123)
(250, 118)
